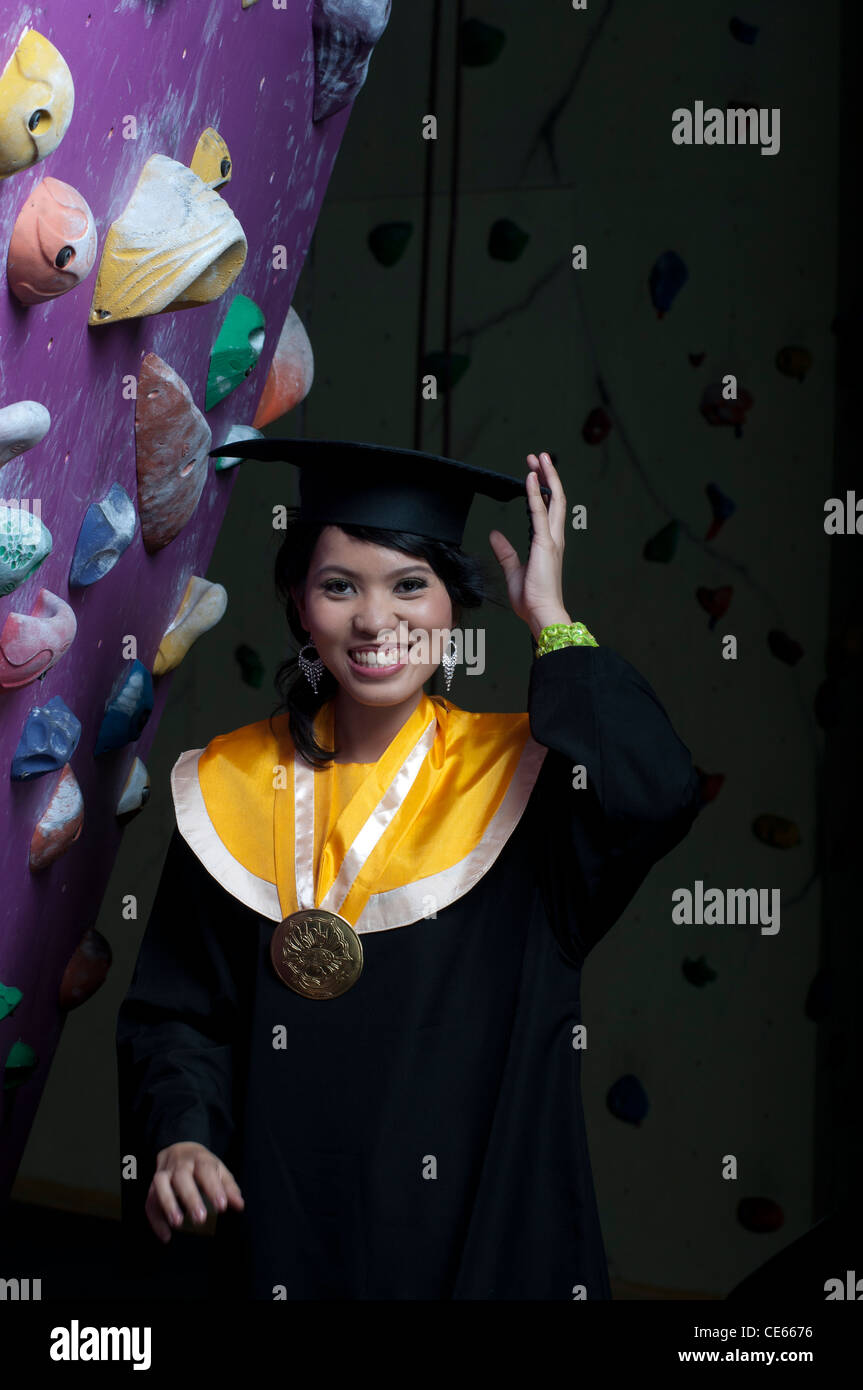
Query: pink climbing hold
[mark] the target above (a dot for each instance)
(31, 643)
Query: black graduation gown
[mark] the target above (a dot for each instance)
(422, 1135)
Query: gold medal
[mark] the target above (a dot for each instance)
(316, 953)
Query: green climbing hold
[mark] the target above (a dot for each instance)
(663, 545)
(448, 368)
(236, 350)
(21, 1062)
(10, 998)
(506, 240)
(480, 43)
(250, 664)
(24, 544)
(388, 241)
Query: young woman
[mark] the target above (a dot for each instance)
(354, 1022)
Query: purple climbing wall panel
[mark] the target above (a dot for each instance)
(177, 69)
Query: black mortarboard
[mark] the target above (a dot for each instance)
(374, 485)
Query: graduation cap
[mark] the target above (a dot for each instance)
(344, 482)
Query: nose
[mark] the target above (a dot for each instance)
(375, 615)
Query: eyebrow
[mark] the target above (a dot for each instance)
(393, 574)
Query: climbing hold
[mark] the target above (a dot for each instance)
(710, 785)
(784, 647)
(31, 643)
(344, 33)
(49, 738)
(37, 97)
(127, 708)
(719, 411)
(759, 1214)
(107, 530)
(202, 606)
(175, 245)
(714, 601)
(211, 160)
(506, 240)
(776, 831)
(722, 508)
(53, 243)
(667, 278)
(662, 546)
(236, 349)
(596, 426)
(10, 998)
(171, 443)
(24, 543)
(480, 43)
(86, 970)
(291, 373)
(447, 368)
(21, 1062)
(743, 32)
(794, 361)
(698, 972)
(235, 433)
(135, 793)
(61, 822)
(251, 666)
(21, 426)
(627, 1100)
(388, 241)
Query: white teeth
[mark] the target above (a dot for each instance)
(379, 658)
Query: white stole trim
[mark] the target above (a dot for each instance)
(196, 828)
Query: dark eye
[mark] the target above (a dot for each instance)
(328, 585)
(421, 583)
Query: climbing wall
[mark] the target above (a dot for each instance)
(161, 171)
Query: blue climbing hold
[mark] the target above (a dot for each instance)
(107, 530)
(49, 738)
(627, 1100)
(667, 278)
(127, 708)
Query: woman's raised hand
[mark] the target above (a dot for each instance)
(536, 588)
(181, 1170)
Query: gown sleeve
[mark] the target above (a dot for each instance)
(596, 844)
(179, 1026)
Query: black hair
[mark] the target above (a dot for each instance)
(463, 577)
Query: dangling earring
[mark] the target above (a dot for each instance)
(448, 661)
(312, 668)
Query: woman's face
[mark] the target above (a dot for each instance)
(364, 598)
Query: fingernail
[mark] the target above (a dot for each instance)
(202, 1215)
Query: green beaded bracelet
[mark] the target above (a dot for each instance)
(558, 635)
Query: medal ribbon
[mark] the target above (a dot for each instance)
(367, 837)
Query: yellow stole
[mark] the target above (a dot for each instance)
(234, 802)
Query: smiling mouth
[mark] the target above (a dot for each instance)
(380, 656)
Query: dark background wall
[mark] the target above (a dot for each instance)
(568, 134)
